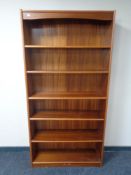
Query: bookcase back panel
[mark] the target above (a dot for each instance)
(67, 105)
(66, 146)
(67, 59)
(92, 151)
(67, 125)
(68, 32)
(95, 83)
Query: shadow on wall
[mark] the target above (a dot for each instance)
(120, 87)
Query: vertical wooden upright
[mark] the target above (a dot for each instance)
(67, 71)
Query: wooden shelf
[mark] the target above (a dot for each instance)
(67, 136)
(63, 115)
(88, 15)
(68, 95)
(77, 157)
(67, 47)
(68, 72)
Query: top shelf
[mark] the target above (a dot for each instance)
(91, 15)
(67, 47)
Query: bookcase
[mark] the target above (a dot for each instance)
(67, 71)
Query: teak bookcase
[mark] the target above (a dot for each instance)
(67, 70)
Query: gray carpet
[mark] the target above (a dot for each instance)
(18, 163)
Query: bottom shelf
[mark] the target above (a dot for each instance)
(67, 158)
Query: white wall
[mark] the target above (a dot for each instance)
(13, 115)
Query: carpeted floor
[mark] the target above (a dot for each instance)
(18, 163)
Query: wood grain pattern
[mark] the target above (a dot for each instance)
(60, 85)
(72, 146)
(66, 125)
(67, 71)
(68, 59)
(67, 106)
(66, 33)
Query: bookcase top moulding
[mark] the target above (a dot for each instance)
(51, 14)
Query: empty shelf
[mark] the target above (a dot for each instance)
(64, 115)
(77, 157)
(67, 136)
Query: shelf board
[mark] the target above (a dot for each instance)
(67, 95)
(68, 47)
(68, 72)
(83, 15)
(67, 136)
(64, 115)
(64, 157)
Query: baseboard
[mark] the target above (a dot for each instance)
(14, 148)
(117, 148)
(106, 148)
